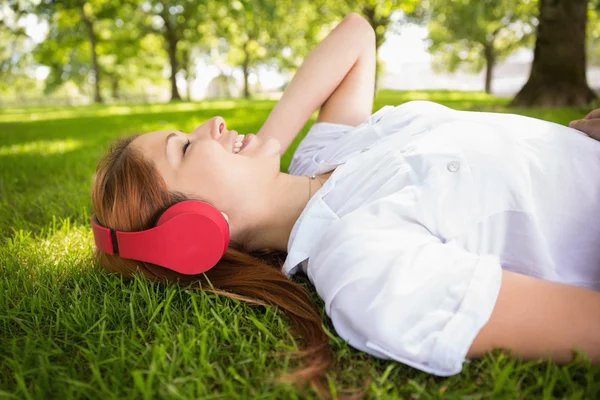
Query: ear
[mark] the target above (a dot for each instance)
(226, 217)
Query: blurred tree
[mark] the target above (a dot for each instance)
(593, 33)
(86, 11)
(67, 53)
(73, 31)
(104, 46)
(188, 54)
(479, 34)
(180, 22)
(558, 74)
(17, 66)
(277, 33)
(128, 54)
(248, 27)
(300, 27)
(195, 43)
(379, 13)
(15, 54)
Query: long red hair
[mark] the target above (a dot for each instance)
(128, 194)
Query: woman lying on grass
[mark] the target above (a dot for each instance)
(432, 235)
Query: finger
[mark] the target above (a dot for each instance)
(589, 126)
(594, 114)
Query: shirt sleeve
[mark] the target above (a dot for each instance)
(318, 136)
(397, 292)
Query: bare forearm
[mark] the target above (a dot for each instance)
(320, 74)
(537, 319)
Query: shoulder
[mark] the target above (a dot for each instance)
(318, 137)
(322, 134)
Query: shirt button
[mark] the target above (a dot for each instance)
(365, 149)
(453, 166)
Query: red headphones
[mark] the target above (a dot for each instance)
(189, 238)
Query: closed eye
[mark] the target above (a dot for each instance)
(185, 146)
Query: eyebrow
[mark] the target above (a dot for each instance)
(167, 143)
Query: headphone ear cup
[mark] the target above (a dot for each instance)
(186, 206)
(198, 236)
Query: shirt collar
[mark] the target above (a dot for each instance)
(317, 215)
(309, 228)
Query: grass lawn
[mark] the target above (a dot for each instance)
(68, 330)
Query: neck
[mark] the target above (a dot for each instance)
(287, 198)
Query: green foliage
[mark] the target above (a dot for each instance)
(13, 48)
(65, 50)
(137, 42)
(69, 330)
(299, 28)
(128, 55)
(245, 24)
(267, 32)
(593, 28)
(187, 22)
(462, 31)
(377, 12)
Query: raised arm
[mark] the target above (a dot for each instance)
(339, 74)
(429, 303)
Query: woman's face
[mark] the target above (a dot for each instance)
(209, 170)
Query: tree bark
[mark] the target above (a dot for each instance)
(490, 63)
(95, 66)
(246, 71)
(558, 73)
(379, 24)
(115, 87)
(189, 75)
(189, 87)
(172, 41)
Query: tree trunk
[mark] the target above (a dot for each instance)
(246, 71)
(490, 61)
(172, 41)
(115, 87)
(379, 24)
(558, 73)
(189, 75)
(95, 67)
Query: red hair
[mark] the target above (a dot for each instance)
(128, 194)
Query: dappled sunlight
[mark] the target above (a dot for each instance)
(52, 113)
(449, 95)
(475, 101)
(41, 147)
(60, 244)
(61, 309)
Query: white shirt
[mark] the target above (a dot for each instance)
(406, 240)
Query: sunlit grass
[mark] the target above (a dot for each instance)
(41, 147)
(70, 330)
(50, 113)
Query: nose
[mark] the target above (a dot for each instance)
(214, 127)
(218, 126)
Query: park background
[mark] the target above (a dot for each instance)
(75, 52)
(76, 75)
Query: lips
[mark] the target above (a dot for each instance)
(234, 135)
(246, 141)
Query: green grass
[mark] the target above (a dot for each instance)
(68, 330)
